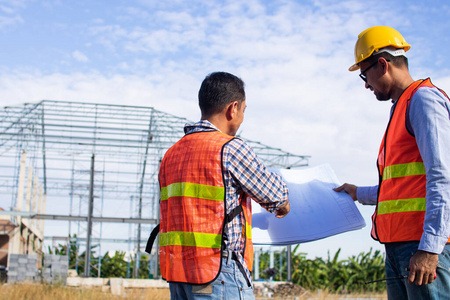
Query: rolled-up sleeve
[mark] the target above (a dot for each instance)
(265, 187)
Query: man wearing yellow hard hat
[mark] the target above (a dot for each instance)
(412, 198)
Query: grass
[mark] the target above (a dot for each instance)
(29, 291)
(327, 296)
(323, 295)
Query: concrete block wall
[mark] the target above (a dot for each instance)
(55, 268)
(22, 268)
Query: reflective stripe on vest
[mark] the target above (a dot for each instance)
(401, 205)
(188, 189)
(248, 253)
(248, 231)
(402, 170)
(196, 239)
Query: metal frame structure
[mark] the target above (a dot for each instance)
(97, 165)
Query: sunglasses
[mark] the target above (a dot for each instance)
(363, 73)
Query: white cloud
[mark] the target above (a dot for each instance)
(160, 93)
(9, 12)
(79, 56)
(10, 6)
(10, 20)
(6, 9)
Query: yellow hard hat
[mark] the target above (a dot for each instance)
(375, 38)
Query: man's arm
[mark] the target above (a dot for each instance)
(430, 120)
(366, 195)
(265, 187)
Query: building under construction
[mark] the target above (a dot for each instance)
(90, 172)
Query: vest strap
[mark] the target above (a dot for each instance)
(236, 211)
(152, 239)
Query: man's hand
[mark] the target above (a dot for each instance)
(283, 210)
(422, 267)
(349, 189)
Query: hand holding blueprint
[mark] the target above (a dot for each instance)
(316, 210)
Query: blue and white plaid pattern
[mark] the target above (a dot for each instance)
(243, 172)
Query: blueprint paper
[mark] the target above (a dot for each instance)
(316, 210)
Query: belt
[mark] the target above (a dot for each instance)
(233, 255)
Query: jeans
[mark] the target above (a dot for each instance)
(230, 285)
(397, 263)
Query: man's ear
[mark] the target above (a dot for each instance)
(232, 109)
(384, 64)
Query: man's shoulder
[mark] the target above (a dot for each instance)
(239, 148)
(429, 92)
(238, 142)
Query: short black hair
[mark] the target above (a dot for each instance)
(398, 61)
(218, 90)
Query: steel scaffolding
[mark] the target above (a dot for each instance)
(97, 165)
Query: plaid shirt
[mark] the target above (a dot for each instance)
(244, 172)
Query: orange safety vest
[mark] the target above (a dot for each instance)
(193, 210)
(400, 210)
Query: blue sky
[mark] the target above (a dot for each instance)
(293, 55)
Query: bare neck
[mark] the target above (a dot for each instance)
(218, 120)
(401, 80)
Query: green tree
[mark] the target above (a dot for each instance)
(114, 266)
(337, 276)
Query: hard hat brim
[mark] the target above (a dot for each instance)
(354, 67)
